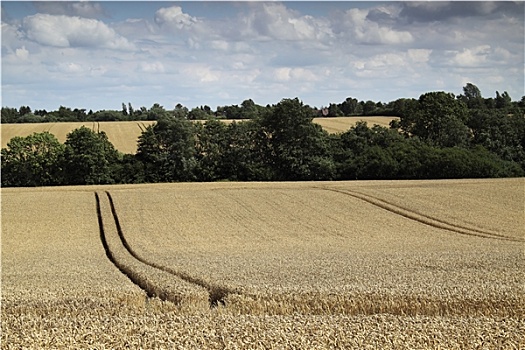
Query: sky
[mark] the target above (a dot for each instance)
(98, 55)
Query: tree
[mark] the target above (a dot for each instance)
(503, 101)
(89, 158)
(156, 112)
(180, 112)
(439, 119)
(9, 115)
(350, 106)
(246, 152)
(472, 96)
(24, 110)
(167, 150)
(210, 149)
(32, 160)
(198, 114)
(500, 133)
(298, 149)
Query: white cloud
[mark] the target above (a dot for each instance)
(201, 72)
(285, 74)
(151, 67)
(471, 57)
(221, 45)
(87, 9)
(419, 55)
(174, 17)
(22, 53)
(275, 21)
(357, 26)
(65, 31)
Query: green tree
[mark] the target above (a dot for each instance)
(167, 150)
(246, 153)
(500, 132)
(9, 115)
(439, 119)
(472, 96)
(350, 106)
(89, 158)
(298, 148)
(503, 101)
(156, 112)
(32, 160)
(210, 149)
(180, 112)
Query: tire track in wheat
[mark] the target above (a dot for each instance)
(155, 282)
(111, 256)
(423, 218)
(217, 294)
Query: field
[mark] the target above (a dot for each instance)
(124, 135)
(317, 265)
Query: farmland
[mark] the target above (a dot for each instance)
(124, 135)
(381, 264)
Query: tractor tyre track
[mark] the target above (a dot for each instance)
(121, 267)
(155, 282)
(217, 294)
(423, 218)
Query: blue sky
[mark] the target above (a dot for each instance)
(96, 55)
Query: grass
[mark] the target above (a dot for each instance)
(297, 265)
(124, 135)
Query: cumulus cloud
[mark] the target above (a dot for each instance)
(276, 21)
(151, 67)
(356, 25)
(474, 57)
(294, 74)
(66, 31)
(419, 55)
(174, 17)
(86, 9)
(22, 53)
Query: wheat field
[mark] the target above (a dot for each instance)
(432, 264)
(124, 135)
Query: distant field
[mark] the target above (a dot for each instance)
(124, 135)
(317, 265)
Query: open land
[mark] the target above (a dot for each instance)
(380, 264)
(124, 135)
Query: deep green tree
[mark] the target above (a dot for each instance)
(439, 119)
(167, 150)
(210, 148)
(89, 158)
(500, 132)
(246, 155)
(503, 101)
(298, 148)
(472, 96)
(9, 115)
(156, 112)
(32, 160)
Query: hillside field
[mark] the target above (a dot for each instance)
(124, 135)
(314, 265)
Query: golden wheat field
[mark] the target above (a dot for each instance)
(124, 135)
(435, 264)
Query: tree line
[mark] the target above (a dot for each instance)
(439, 135)
(248, 109)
